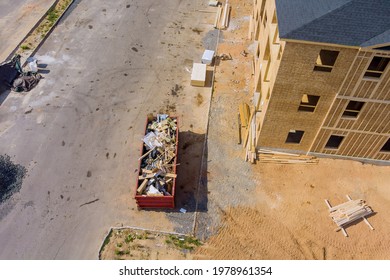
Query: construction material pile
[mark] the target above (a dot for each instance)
(349, 212)
(286, 158)
(157, 170)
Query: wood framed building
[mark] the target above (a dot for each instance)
(322, 77)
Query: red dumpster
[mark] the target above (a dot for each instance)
(156, 181)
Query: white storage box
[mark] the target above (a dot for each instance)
(198, 75)
(207, 57)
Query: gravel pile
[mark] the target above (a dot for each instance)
(11, 177)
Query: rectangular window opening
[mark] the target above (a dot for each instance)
(308, 103)
(295, 136)
(353, 109)
(334, 142)
(386, 147)
(326, 60)
(377, 67)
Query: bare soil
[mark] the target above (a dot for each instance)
(276, 211)
(266, 210)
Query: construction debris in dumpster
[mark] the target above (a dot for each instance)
(158, 159)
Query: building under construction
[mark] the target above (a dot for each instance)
(322, 77)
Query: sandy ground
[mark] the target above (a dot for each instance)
(16, 20)
(274, 211)
(81, 141)
(289, 218)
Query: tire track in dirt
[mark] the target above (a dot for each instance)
(249, 233)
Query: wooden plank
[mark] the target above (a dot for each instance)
(369, 225)
(247, 132)
(147, 153)
(170, 175)
(328, 204)
(218, 17)
(142, 187)
(225, 18)
(148, 176)
(244, 111)
(239, 129)
(147, 171)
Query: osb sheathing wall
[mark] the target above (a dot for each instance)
(290, 74)
(366, 134)
(296, 77)
(268, 51)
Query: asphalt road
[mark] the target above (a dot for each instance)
(104, 70)
(17, 17)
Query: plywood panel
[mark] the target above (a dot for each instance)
(335, 113)
(348, 143)
(353, 77)
(383, 89)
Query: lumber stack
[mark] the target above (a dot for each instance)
(250, 138)
(349, 212)
(222, 16)
(244, 112)
(268, 156)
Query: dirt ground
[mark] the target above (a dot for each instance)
(275, 211)
(289, 218)
(278, 211)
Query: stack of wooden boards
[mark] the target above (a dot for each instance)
(247, 121)
(349, 212)
(285, 158)
(158, 159)
(222, 16)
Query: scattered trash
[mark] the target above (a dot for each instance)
(244, 53)
(9, 71)
(213, 3)
(26, 82)
(32, 64)
(183, 210)
(224, 56)
(158, 160)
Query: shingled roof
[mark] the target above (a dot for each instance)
(344, 22)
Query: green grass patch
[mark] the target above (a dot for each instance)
(24, 47)
(183, 242)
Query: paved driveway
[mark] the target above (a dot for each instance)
(105, 67)
(17, 17)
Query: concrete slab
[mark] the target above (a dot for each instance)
(17, 18)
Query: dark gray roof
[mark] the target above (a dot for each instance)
(344, 22)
